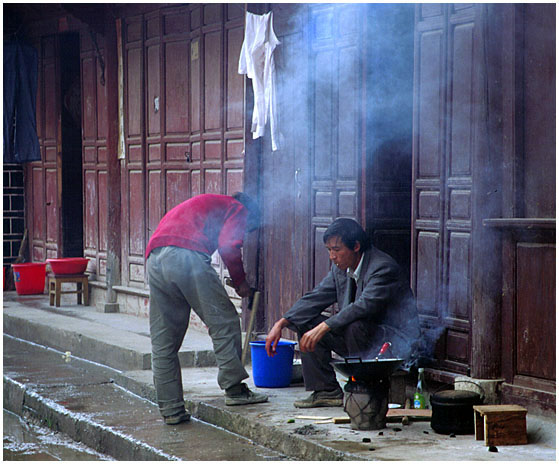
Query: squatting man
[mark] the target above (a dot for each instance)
(375, 305)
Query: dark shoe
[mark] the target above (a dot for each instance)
(241, 394)
(322, 398)
(177, 418)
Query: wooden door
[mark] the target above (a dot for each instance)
(216, 103)
(315, 176)
(42, 182)
(133, 168)
(336, 155)
(183, 116)
(94, 153)
(442, 177)
(529, 212)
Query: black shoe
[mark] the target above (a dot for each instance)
(322, 398)
(240, 394)
(177, 418)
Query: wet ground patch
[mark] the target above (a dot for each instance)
(28, 441)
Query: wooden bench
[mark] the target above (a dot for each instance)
(500, 424)
(55, 288)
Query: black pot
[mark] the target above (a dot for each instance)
(453, 411)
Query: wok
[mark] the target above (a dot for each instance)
(367, 369)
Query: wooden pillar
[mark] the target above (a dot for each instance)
(252, 259)
(487, 195)
(113, 163)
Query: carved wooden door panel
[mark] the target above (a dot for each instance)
(133, 187)
(34, 172)
(314, 177)
(336, 116)
(216, 102)
(42, 176)
(442, 177)
(94, 139)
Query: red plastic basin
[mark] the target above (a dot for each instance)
(65, 266)
(29, 278)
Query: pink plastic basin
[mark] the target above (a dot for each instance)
(65, 266)
(29, 278)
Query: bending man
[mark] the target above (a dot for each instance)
(181, 277)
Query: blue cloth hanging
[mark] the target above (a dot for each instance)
(21, 144)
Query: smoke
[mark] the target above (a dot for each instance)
(344, 75)
(328, 61)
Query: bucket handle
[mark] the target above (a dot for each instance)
(482, 393)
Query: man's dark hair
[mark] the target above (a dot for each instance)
(349, 232)
(253, 219)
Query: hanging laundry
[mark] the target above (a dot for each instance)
(257, 62)
(20, 98)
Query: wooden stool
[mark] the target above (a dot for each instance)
(55, 287)
(502, 424)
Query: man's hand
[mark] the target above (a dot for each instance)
(312, 337)
(274, 336)
(244, 290)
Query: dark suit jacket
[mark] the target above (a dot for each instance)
(383, 297)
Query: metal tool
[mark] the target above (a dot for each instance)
(253, 304)
(248, 336)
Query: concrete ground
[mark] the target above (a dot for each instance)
(122, 343)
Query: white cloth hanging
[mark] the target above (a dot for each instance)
(257, 62)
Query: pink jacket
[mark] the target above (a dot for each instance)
(206, 223)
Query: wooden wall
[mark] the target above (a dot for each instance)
(183, 116)
(483, 168)
(483, 204)
(183, 125)
(527, 225)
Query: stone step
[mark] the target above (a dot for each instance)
(119, 341)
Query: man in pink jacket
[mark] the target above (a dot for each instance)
(181, 277)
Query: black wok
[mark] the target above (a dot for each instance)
(367, 369)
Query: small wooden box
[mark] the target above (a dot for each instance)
(501, 424)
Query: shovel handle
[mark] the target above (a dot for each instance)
(248, 336)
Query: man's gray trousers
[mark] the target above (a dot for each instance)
(180, 279)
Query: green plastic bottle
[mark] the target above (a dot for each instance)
(419, 395)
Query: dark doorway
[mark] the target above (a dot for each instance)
(389, 74)
(72, 184)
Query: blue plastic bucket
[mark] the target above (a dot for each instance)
(272, 372)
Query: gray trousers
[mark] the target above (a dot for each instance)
(181, 279)
(362, 338)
